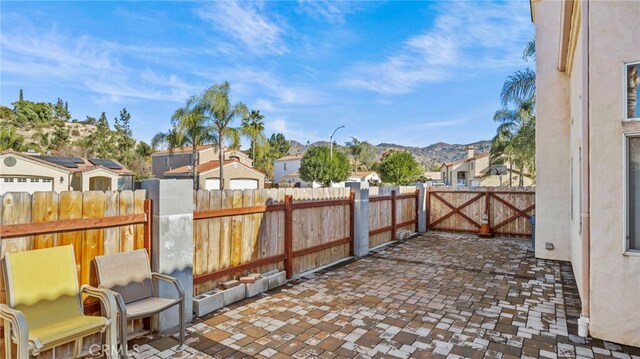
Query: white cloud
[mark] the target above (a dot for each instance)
(247, 23)
(86, 63)
(333, 11)
(466, 38)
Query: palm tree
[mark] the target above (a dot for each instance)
(252, 126)
(513, 136)
(189, 129)
(521, 85)
(215, 106)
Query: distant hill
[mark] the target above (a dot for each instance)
(435, 153)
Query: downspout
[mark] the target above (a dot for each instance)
(583, 322)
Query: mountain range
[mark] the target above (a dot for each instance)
(428, 156)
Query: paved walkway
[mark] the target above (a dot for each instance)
(438, 295)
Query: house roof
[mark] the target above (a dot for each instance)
(182, 150)
(288, 158)
(363, 173)
(86, 166)
(481, 155)
(207, 167)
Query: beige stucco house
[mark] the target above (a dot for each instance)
(475, 171)
(588, 156)
(365, 176)
(167, 160)
(25, 172)
(237, 175)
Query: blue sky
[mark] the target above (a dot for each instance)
(411, 73)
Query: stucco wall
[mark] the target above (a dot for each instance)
(232, 171)
(552, 138)
(615, 277)
(278, 169)
(30, 168)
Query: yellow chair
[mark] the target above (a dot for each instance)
(44, 304)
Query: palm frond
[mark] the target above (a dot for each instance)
(519, 86)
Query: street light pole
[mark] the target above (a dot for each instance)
(331, 142)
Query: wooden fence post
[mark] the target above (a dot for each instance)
(487, 205)
(352, 199)
(147, 227)
(417, 208)
(288, 235)
(393, 215)
(428, 210)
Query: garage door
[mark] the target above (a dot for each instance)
(212, 183)
(244, 184)
(25, 184)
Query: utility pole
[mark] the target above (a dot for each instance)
(331, 142)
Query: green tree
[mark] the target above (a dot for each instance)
(317, 165)
(61, 110)
(21, 97)
(514, 142)
(28, 112)
(363, 155)
(144, 150)
(59, 136)
(100, 144)
(252, 126)
(6, 114)
(399, 168)
(215, 104)
(123, 136)
(279, 146)
(10, 139)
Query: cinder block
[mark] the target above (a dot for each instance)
(255, 275)
(259, 286)
(230, 283)
(207, 302)
(270, 273)
(278, 279)
(233, 294)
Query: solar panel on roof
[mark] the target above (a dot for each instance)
(105, 163)
(77, 160)
(60, 161)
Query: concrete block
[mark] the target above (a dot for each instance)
(208, 302)
(255, 275)
(230, 284)
(270, 273)
(259, 286)
(278, 279)
(234, 294)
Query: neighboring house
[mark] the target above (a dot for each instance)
(167, 160)
(433, 176)
(366, 176)
(475, 171)
(24, 172)
(237, 175)
(285, 170)
(588, 156)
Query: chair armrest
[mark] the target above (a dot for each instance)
(17, 320)
(106, 297)
(169, 279)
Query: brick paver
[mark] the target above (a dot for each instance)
(437, 295)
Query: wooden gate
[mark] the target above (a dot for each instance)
(508, 211)
(392, 209)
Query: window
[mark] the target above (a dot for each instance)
(8, 180)
(632, 91)
(632, 240)
(191, 158)
(167, 162)
(285, 166)
(22, 180)
(46, 180)
(471, 165)
(35, 180)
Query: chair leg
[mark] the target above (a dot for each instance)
(7, 339)
(123, 335)
(23, 348)
(182, 324)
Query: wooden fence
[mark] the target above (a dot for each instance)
(94, 222)
(236, 232)
(391, 210)
(454, 210)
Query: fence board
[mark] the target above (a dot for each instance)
(44, 208)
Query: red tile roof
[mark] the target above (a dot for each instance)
(207, 166)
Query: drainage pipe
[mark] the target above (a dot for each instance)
(583, 322)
